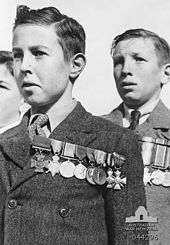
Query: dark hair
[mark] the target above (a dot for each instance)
(70, 33)
(161, 46)
(6, 58)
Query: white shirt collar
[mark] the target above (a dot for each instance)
(145, 111)
(56, 116)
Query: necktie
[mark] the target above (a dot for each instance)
(36, 127)
(135, 115)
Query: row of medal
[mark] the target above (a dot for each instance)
(157, 177)
(95, 175)
(156, 153)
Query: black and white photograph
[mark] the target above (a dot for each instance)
(84, 122)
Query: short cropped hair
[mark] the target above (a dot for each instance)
(161, 46)
(6, 58)
(71, 35)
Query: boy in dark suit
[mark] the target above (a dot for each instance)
(79, 180)
(141, 62)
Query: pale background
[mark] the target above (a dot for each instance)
(102, 20)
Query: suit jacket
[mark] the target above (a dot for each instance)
(36, 208)
(157, 197)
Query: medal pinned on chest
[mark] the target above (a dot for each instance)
(42, 157)
(70, 160)
(96, 173)
(156, 153)
(115, 178)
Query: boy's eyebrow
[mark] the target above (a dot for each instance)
(39, 47)
(31, 47)
(136, 53)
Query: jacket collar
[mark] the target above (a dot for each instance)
(158, 118)
(118, 115)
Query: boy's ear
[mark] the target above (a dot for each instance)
(78, 62)
(165, 74)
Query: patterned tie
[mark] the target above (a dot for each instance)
(36, 127)
(135, 115)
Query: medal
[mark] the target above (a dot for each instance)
(99, 176)
(89, 175)
(116, 181)
(147, 177)
(56, 146)
(109, 160)
(118, 160)
(160, 155)
(110, 179)
(100, 157)
(38, 161)
(53, 167)
(90, 155)
(80, 171)
(69, 150)
(147, 147)
(157, 177)
(81, 152)
(166, 181)
(67, 169)
(41, 143)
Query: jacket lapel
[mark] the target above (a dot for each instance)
(159, 120)
(116, 116)
(16, 144)
(76, 128)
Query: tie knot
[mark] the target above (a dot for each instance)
(41, 120)
(36, 127)
(135, 115)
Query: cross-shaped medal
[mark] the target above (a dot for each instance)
(115, 181)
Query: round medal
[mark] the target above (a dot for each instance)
(67, 169)
(166, 181)
(157, 177)
(80, 171)
(147, 176)
(89, 175)
(99, 176)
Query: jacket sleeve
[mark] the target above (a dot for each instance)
(123, 203)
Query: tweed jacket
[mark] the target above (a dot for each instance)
(157, 197)
(36, 208)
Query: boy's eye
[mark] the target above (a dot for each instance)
(38, 53)
(138, 58)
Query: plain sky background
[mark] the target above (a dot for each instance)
(102, 20)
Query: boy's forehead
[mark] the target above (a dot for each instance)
(34, 35)
(135, 45)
